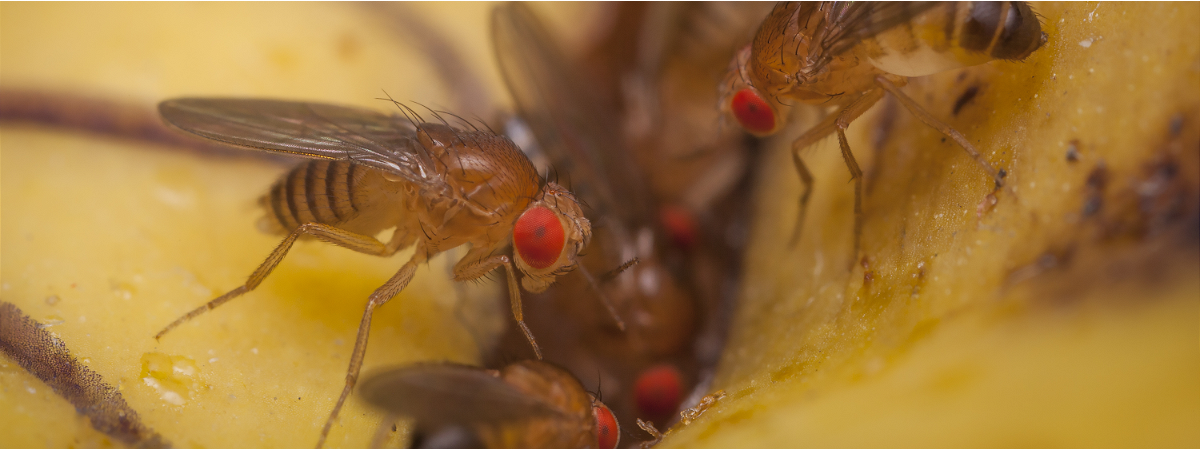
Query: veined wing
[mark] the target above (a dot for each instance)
(848, 23)
(312, 130)
(439, 394)
(579, 134)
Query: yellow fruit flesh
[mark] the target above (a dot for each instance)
(954, 335)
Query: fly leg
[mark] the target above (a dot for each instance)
(655, 435)
(806, 179)
(848, 114)
(834, 123)
(377, 298)
(470, 268)
(462, 296)
(810, 137)
(612, 310)
(327, 233)
(341, 238)
(888, 84)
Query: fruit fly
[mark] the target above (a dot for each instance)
(528, 404)
(581, 136)
(690, 162)
(646, 186)
(695, 168)
(849, 54)
(439, 186)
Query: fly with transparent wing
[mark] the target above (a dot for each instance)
(528, 404)
(582, 136)
(849, 54)
(439, 186)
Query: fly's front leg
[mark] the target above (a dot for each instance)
(327, 233)
(829, 125)
(377, 298)
(470, 268)
(951, 133)
(810, 137)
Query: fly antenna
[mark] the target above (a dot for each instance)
(603, 298)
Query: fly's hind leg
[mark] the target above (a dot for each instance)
(477, 264)
(327, 233)
(889, 85)
(341, 238)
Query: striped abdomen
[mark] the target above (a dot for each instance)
(337, 193)
(956, 34)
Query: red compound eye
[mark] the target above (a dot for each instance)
(538, 236)
(608, 432)
(753, 112)
(658, 390)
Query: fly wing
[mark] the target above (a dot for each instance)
(312, 130)
(437, 395)
(580, 133)
(848, 23)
